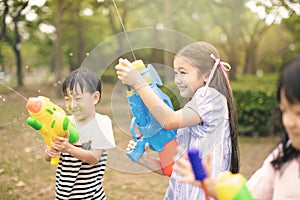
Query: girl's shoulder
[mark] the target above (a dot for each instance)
(208, 95)
(207, 92)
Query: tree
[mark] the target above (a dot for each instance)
(12, 36)
(270, 13)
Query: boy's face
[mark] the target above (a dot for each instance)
(81, 104)
(291, 119)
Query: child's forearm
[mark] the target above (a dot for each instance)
(90, 157)
(151, 163)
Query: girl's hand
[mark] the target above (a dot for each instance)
(129, 75)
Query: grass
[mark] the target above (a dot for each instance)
(267, 82)
(25, 175)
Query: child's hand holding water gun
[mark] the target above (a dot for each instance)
(227, 186)
(184, 167)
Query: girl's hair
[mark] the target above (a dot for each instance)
(289, 84)
(198, 55)
(85, 79)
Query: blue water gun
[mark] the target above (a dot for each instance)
(159, 139)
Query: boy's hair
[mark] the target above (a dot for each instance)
(289, 82)
(198, 55)
(85, 79)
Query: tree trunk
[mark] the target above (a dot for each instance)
(250, 65)
(169, 42)
(19, 65)
(57, 45)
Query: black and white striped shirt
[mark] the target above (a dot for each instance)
(79, 180)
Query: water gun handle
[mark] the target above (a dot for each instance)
(136, 153)
(232, 187)
(194, 157)
(199, 172)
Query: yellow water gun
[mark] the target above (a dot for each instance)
(232, 187)
(51, 121)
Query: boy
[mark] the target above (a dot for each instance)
(82, 165)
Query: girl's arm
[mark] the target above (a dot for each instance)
(168, 118)
(146, 160)
(62, 144)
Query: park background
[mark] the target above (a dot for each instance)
(42, 41)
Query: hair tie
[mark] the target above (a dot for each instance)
(224, 66)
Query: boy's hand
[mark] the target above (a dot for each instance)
(131, 145)
(61, 144)
(51, 152)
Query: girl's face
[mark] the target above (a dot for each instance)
(291, 119)
(187, 77)
(81, 104)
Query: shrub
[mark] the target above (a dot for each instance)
(257, 112)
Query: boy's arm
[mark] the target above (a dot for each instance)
(91, 157)
(50, 153)
(151, 163)
(62, 144)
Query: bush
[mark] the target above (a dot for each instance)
(257, 112)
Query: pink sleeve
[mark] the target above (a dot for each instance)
(261, 184)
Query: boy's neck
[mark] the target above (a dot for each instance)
(81, 123)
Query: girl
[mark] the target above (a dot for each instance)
(207, 121)
(279, 176)
(81, 167)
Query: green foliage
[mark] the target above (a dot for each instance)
(267, 82)
(109, 76)
(256, 105)
(256, 112)
(174, 100)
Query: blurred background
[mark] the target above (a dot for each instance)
(41, 41)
